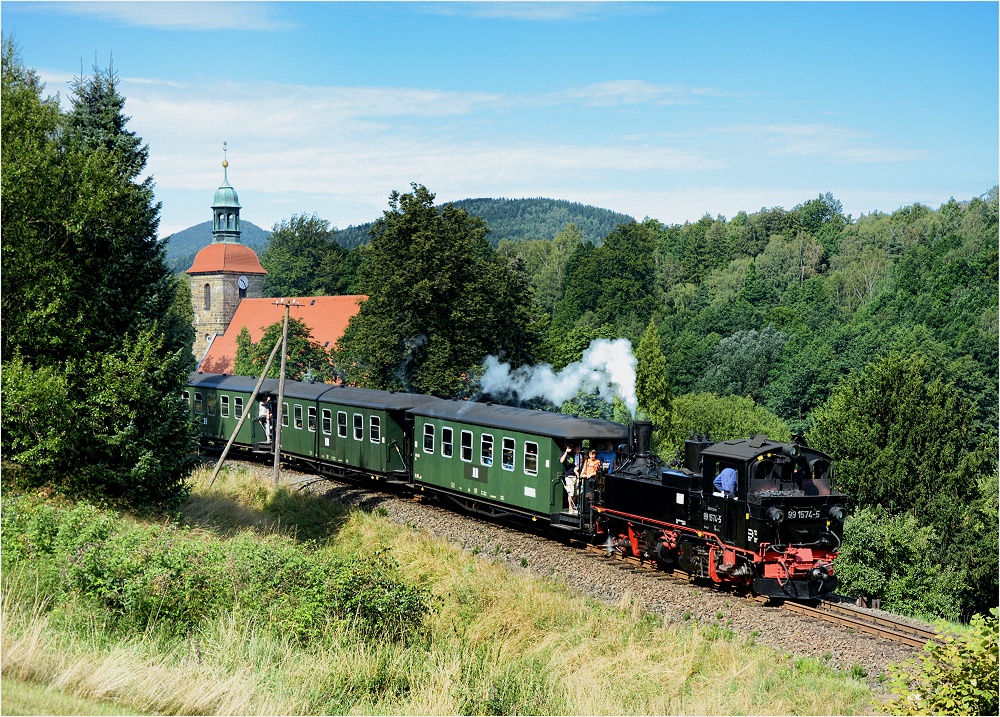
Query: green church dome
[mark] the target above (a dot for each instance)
(225, 196)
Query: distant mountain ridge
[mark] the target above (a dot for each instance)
(521, 219)
(514, 219)
(183, 245)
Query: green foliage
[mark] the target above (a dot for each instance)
(743, 362)
(303, 258)
(138, 576)
(898, 437)
(652, 388)
(722, 418)
(614, 280)
(956, 678)
(440, 301)
(898, 560)
(88, 304)
(306, 359)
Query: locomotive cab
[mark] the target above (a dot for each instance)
(784, 510)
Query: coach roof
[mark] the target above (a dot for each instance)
(540, 423)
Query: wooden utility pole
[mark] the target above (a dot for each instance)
(288, 304)
(246, 412)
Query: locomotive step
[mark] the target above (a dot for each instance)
(565, 520)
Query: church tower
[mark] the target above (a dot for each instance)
(224, 272)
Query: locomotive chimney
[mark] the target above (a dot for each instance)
(642, 435)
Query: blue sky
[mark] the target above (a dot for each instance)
(666, 110)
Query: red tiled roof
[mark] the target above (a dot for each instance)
(223, 256)
(326, 317)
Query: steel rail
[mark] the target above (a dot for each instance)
(860, 621)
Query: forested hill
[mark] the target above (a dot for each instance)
(185, 244)
(518, 219)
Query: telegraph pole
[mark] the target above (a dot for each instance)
(288, 304)
(247, 412)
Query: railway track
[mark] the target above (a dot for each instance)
(844, 615)
(866, 622)
(848, 616)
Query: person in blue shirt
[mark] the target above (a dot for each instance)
(607, 457)
(725, 482)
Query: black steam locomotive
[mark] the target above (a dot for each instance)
(775, 533)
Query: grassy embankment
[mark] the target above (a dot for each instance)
(97, 606)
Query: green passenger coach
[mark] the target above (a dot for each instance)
(482, 453)
(217, 402)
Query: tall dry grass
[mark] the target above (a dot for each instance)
(499, 642)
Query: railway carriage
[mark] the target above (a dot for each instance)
(217, 401)
(500, 459)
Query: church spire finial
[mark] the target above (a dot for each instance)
(225, 162)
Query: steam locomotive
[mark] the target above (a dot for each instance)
(775, 533)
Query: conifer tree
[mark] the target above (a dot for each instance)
(95, 356)
(651, 386)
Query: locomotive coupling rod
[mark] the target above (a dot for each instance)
(253, 397)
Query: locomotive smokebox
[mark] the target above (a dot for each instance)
(642, 436)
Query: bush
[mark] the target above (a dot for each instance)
(139, 575)
(896, 559)
(956, 678)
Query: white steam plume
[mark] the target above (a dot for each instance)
(606, 366)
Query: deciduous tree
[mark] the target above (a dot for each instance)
(440, 301)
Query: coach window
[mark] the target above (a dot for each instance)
(486, 450)
(507, 456)
(237, 407)
(531, 458)
(311, 416)
(447, 441)
(298, 416)
(359, 427)
(342, 424)
(327, 421)
(197, 402)
(187, 398)
(466, 446)
(374, 429)
(284, 414)
(210, 403)
(428, 438)
(225, 405)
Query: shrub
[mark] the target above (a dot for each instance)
(957, 678)
(138, 575)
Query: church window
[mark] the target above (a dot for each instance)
(208, 297)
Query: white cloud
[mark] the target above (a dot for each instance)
(823, 140)
(339, 151)
(539, 11)
(627, 92)
(183, 15)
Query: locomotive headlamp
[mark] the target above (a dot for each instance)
(776, 515)
(836, 512)
(791, 450)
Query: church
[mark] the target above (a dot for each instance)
(227, 293)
